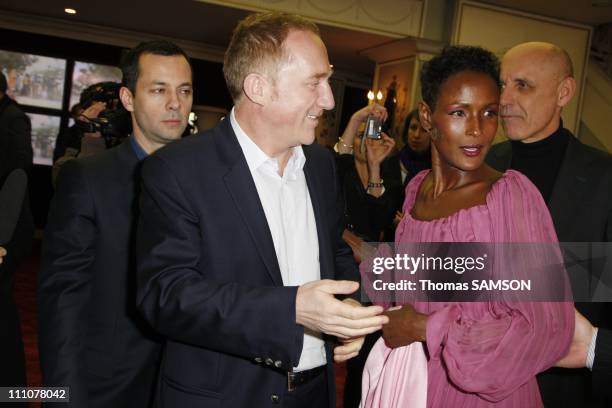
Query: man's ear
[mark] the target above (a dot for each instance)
(127, 98)
(256, 88)
(566, 91)
(425, 116)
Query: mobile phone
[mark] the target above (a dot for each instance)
(373, 129)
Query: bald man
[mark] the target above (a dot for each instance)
(574, 179)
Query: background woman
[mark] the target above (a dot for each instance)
(370, 178)
(415, 155)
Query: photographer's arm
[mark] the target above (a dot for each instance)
(377, 151)
(92, 143)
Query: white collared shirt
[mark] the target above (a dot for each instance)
(286, 203)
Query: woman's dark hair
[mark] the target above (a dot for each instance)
(453, 60)
(412, 114)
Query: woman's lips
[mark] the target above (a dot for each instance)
(472, 150)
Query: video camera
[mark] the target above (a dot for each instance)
(114, 123)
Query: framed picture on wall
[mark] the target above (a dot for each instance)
(394, 80)
(45, 129)
(34, 80)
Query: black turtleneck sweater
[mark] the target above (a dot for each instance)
(540, 161)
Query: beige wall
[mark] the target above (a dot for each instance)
(597, 109)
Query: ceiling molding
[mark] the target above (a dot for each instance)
(385, 17)
(99, 34)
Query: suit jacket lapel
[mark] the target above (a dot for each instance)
(128, 177)
(570, 186)
(241, 188)
(314, 190)
(126, 153)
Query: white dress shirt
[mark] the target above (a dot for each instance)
(286, 203)
(591, 351)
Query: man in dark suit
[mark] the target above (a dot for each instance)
(240, 237)
(15, 153)
(574, 179)
(91, 337)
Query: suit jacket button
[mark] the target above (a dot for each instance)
(269, 361)
(258, 360)
(278, 364)
(275, 399)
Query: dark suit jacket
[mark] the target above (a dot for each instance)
(15, 138)
(581, 209)
(15, 153)
(91, 337)
(602, 365)
(208, 277)
(581, 201)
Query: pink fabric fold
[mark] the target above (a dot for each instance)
(480, 354)
(395, 377)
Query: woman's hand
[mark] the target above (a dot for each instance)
(93, 111)
(345, 144)
(398, 218)
(405, 326)
(378, 150)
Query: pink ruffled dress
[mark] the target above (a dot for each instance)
(479, 354)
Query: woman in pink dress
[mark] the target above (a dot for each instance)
(476, 354)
